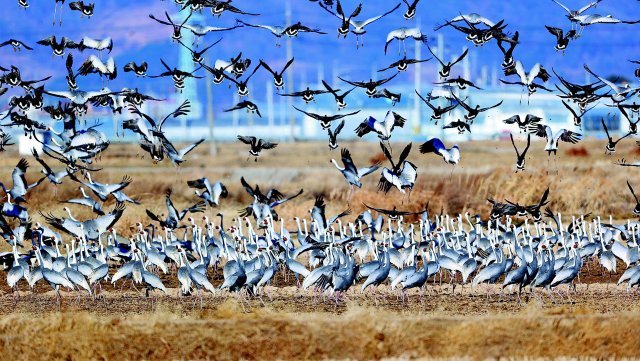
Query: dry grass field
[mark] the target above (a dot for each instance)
(598, 321)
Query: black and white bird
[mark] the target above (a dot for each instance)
(172, 221)
(238, 65)
(520, 157)
(139, 70)
(459, 82)
(251, 107)
(219, 7)
(636, 72)
(333, 135)
(402, 34)
(438, 111)
(17, 45)
(217, 70)
(577, 118)
(411, 9)
(177, 75)
(58, 47)
(403, 64)
(177, 28)
(256, 145)
(211, 193)
(611, 144)
(278, 79)
(241, 85)
(308, 95)
(71, 75)
(339, 98)
(436, 146)
(352, 174)
(389, 95)
(325, 120)
(93, 64)
(85, 9)
(345, 26)
(383, 128)
(13, 78)
(508, 63)
(633, 126)
(473, 112)
(445, 69)
(371, 85)
(636, 209)
(562, 39)
(401, 175)
(523, 123)
(461, 125)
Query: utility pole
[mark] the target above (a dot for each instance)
(270, 103)
(417, 75)
(288, 112)
(440, 52)
(213, 150)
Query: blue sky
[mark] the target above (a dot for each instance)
(604, 48)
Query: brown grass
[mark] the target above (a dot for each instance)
(359, 333)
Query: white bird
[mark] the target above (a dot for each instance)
(528, 79)
(553, 138)
(402, 174)
(402, 34)
(620, 93)
(94, 65)
(435, 145)
(99, 45)
(211, 193)
(382, 127)
(202, 30)
(350, 172)
(591, 19)
(16, 272)
(472, 18)
(573, 15)
(359, 26)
